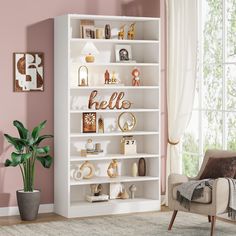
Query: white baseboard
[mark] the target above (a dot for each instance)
(11, 211)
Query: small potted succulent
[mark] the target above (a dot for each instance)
(27, 152)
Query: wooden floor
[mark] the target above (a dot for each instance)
(15, 220)
(48, 217)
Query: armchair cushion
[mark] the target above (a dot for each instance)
(214, 154)
(219, 167)
(205, 198)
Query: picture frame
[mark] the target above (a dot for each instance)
(86, 27)
(89, 122)
(89, 32)
(28, 71)
(123, 53)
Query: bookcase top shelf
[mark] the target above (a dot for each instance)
(112, 18)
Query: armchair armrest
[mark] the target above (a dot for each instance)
(220, 195)
(173, 180)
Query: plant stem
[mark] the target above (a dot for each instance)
(33, 168)
(30, 179)
(29, 187)
(23, 176)
(25, 181)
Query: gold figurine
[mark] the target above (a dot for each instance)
(131, 32)
(121, 33)
(112, 170)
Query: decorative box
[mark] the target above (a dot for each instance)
(100, 198)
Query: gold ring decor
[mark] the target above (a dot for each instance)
(91, 168)
(127, 126)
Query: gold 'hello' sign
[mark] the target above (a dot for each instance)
(115, 101)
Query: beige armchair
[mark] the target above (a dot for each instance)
(212, 203)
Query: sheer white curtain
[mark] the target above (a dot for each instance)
(181, 74)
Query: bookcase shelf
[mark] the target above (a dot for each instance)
(80, 135)
(103, 180)
(71, 101)
(116, 41)
(112, 156)
(115, 110)
(117, 206)
(115, 87)
(120, 64)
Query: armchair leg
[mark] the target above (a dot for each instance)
(209, 219)
(213, 222)
(172, 219)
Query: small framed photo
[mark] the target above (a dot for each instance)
(87, 29)
(89, 32)
(28, 71)
(89, 122)
(123, 53)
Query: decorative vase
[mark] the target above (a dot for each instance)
(28, 204)
(107, 31)
(142, 167)
(134, 169)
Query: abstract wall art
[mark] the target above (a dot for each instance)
(28, 72)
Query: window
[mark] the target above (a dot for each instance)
(213, 121)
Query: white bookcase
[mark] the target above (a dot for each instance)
(69, 195)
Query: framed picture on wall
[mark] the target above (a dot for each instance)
(28, 71)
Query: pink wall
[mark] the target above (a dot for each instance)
(28, 26)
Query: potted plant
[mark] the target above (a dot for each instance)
(27, 151)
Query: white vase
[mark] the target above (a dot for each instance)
(134, 169)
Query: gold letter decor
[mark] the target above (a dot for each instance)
(114, 101)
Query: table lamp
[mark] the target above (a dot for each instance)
(89, 50)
